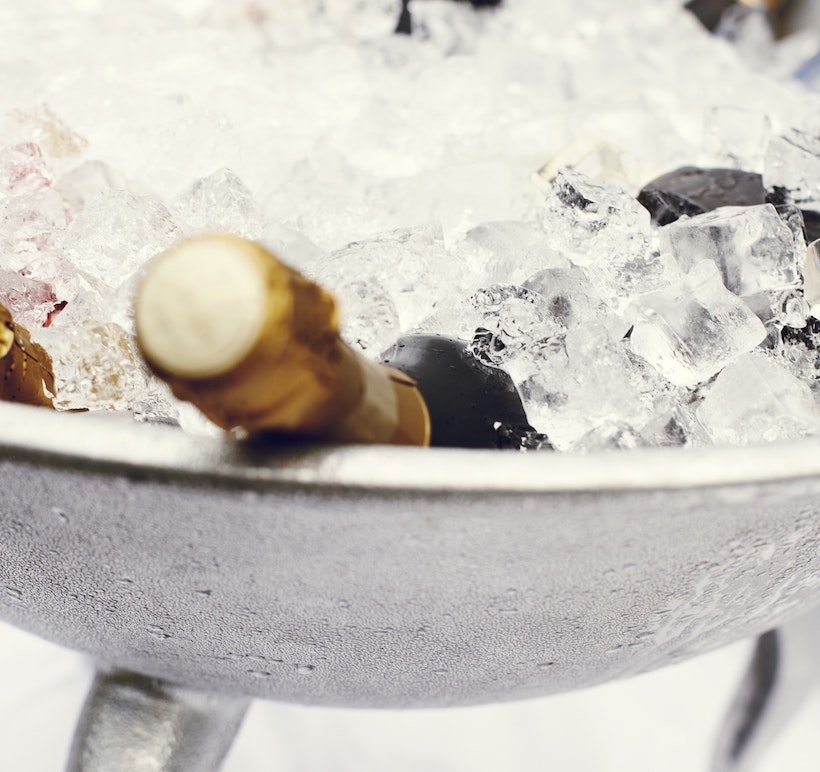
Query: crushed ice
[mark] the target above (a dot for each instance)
(477, 178)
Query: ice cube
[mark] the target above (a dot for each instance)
(219, 202)
(811, 277)
(407, 267)
(293, 247)
(369, 320)
(737, 136)
(31, 223)
(40, 125)
(629, 274)
(595, 158)
(330, 202)
(459, 196)
(798, 344)
(586, 379)
(588, 221)
(749, 30)
(793, 164)
(605, 230)
(507, 251)
(611, 435)
(23, 169)
(511, 318)
(116, 233)
(96, 366)
(32, 302)
(80, 184)
(754, 400)
(752, 246)
(574, 300)
(690, 333)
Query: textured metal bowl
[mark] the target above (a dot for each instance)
(373, 576)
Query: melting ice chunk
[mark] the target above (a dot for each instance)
(754, 399)
(751, 245)
(690, 333)
(793, 163)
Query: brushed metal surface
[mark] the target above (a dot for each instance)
(372, 576)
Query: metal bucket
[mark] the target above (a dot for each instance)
(375, 576)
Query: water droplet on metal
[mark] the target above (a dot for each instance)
(158, 632)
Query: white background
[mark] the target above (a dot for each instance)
(660, 722)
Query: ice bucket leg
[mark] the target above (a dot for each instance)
(781, 675)
(131, 723)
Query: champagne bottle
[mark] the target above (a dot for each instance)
(256, 346)
(26, 366)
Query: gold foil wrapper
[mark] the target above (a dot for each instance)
(26, 367)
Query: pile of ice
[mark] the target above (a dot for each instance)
(480, 173)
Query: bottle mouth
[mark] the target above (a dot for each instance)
(202, 306)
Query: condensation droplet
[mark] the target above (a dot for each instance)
(13, 592)
(158, 632)
(260, 673)
(441, 671)
(204, 593)
(60, 514)
(545, 665)
(305, 669)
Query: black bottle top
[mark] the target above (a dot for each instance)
(691, 191)
(472, 405)
(404, 25)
